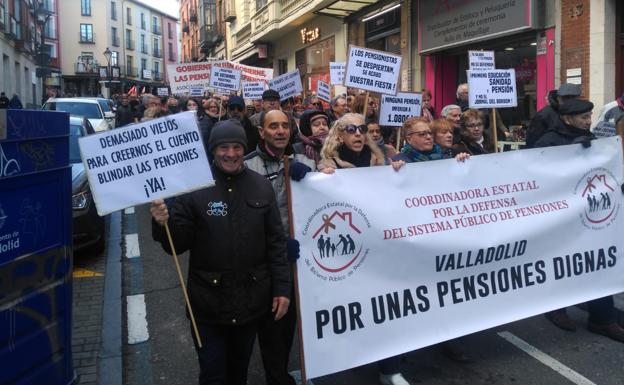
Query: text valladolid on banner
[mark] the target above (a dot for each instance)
(186, 76)
(141, 162)
(454, 249)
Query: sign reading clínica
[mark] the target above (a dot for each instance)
(481, 60)
(225, 78)
(395, 110)
(253, 90)
(138, 163)
(372, 70)
(492, 89)
(322, 91)
(288, 85)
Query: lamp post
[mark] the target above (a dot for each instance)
(108, 54)
(42, 15)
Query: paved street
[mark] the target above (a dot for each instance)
(159, 351)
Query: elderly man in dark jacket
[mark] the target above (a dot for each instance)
(238, 270)
(576, 121)
(548, 117)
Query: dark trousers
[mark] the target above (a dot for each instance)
(276, 339)
(225, 353)
(602, 310)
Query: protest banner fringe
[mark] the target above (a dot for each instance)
(291, 233)
(186, 298)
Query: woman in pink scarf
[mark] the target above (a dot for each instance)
(428, 111)
(313, 129)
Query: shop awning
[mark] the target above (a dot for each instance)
(344, 8)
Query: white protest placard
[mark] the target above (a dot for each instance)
(162, 91)
(322, 91)
(492, 89)
(372, 70)
(141, 162)
(184, 76)
(604, 129)
(196, 92)
(337, 72)
(471, 249)
(288, 85)
(481, 60)
(397, 109)
(253, 90)
(225, 78)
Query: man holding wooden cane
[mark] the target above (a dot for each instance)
(237, 256)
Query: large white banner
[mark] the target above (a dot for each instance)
(454, 248)
(141, 162)
(186, 76)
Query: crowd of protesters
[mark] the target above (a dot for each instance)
(244, 136)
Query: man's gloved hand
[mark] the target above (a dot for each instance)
(298, 170)
(584, 140)
(292, 250)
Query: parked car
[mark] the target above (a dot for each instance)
(108, 108)
(88, 108)
(88, 226)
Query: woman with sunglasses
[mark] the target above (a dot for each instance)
(348, 146)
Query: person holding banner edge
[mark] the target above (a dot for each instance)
(349, 146)
(575, 115)
(238, 270)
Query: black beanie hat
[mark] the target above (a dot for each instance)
(306, 118)
(227, 131)
(575, 107)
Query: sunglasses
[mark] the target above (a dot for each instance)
(352, 128)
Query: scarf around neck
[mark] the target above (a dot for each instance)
(417, 156)
(312, 145)
(361, 159)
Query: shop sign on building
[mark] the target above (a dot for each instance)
(372, 70)
(395, 110)
(337, 72)
(309, 35)
(288, 85)
(492, 89)
(481, 60)
(445, 24)
(322, 91)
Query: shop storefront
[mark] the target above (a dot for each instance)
(318, 41)
(512, 29)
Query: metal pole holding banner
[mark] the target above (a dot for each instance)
(365, 106)
(291, 233)
(494, 130)
(186, 298)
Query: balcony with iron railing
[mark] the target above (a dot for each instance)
(268, 19)
(157, 76)
(86, 38)
(116, 41)
(156, 29)
(132, 72)
(156, 52)
(144, 49)
(86, 66)
(130, 44)
(265, 20)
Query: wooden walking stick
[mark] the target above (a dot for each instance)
(494, 130)
(291, 233)
(186, 298)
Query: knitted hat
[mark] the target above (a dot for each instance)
(305, 123)
(227, 131)
(236, 101)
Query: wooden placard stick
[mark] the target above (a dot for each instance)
(494, 130)
(186, 298)
(365, 106)
(291, 233)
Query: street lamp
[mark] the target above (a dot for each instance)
(42, 15)
(108, 54)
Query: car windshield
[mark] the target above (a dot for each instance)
(105, 106)
(75, 132)
(88, 110)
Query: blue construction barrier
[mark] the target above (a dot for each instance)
(35, 249)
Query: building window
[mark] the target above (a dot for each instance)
(86, 33)
(113, 10)
(85, 7)
(260, 4)
(143, 21)
(129, 41)
(115, 37)
(128, 16)
(156, 48)
(115, 58)
(157, 70)
(49, 30)
(143, 45)
(130, 71)
(169, 31)
(143, 64)
(170, 46)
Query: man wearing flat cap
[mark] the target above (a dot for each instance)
(236, 110)
(575, 116)
(238, 270)
(548, 116)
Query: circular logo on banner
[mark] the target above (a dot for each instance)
(598, 189)
(337, 233)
